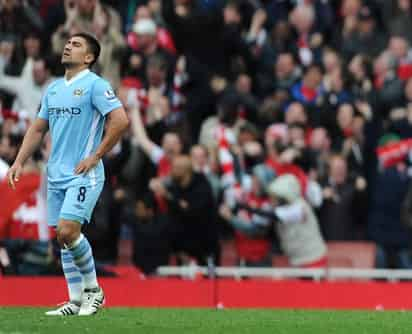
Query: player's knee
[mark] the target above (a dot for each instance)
(66, 235)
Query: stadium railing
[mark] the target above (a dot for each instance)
(330, 274)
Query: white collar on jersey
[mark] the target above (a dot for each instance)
(78, 76)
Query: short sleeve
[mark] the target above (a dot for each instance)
(43, 110)
(104, 98)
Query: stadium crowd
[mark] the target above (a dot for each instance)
(282, 124)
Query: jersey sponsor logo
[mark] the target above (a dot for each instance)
(64, 112)
(78, 92)
(52, 93)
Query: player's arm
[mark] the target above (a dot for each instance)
(117, 123)
(31, 142)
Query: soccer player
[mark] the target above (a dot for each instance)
(74, 110)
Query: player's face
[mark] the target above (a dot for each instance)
(76, 52)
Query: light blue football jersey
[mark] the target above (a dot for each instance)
(76, 111)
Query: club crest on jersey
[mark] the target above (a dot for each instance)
(109, 94)
(78, 92)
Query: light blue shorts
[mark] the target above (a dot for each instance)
(74, 203)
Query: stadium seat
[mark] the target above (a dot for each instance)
(125, 251)
(342, 254)
(351, 254)
(280, 261)
(229, 256)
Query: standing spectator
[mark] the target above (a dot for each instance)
(384, 220)
(310, 91)
(104, 22)
(286, 71)
(297, 226)
(389, 87)
(295, 223)
(18, 18)
(361, 78)
(196, 32)
(201, 162)
(344, 203)
(365, 38)
(145, 45)
(320, 149)
(29, 87)
(309, 41)
(401, 21)
(399, 48)
(252, 231)
(192, 211)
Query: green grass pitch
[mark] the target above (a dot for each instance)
(179, 321)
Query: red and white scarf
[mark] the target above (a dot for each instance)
(393, 153)
(225, 139)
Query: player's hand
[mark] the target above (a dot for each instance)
(86, 165)
(13, 174)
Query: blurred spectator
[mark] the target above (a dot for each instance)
(18, 18)
(320, 150)
(286, 71)
(399, 48)
(343, 208)
(294, 87)
(144, 45)
(104, 22)
(192, 211)
(29, 87)
(400, 23)
(23, 227)
(202, 163)
(362, 35)
(336, 94)
(295, 223)
(361, 78)
(310, 91)
(297, 226)
(252, 237)
(145, 13)
(384, 220)
(387, 84)
(209, 36)
(401, 116)
(9, 146)
(160, 156)
(309, 41)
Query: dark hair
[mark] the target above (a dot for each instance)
(314, 66)
(228, 108)
(92, 44)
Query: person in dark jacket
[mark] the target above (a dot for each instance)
(344, 202)
(385, 226)
(192, 211)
